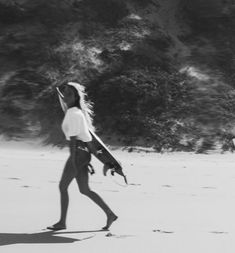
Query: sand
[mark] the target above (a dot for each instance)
(177, 202)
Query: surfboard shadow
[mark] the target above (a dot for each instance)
(37, 238)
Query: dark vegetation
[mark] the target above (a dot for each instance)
(129, 62)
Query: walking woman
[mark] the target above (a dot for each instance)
(76, 125)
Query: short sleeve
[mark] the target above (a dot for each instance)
(77, 126)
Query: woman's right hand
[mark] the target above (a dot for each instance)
(92, 148)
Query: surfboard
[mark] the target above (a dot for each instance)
(103, 154)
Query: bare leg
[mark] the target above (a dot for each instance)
(68, 175)
(82, 180)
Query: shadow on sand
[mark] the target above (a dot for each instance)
(38, 238)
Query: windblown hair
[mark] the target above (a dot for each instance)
(82, 102)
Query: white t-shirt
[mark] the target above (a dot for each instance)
(75, 124)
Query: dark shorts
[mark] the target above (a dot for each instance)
(83, 157)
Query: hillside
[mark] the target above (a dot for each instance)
(159, 72)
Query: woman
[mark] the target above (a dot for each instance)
(76, 125)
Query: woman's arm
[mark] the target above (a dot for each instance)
(73, 150)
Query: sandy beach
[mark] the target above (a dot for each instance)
(176, 202)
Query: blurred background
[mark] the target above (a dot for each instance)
(159, 72)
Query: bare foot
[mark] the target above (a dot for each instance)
(57, 226)
(111, 218)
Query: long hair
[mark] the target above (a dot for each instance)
(82, 103)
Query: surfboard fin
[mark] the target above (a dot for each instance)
(114, 170)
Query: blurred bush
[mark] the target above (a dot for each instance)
(129, 63)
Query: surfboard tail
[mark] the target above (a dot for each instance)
(119, 171)
(124, 176)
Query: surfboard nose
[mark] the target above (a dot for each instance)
(59, 92)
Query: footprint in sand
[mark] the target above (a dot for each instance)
(118, 236)
(162, 231)
(167, 185)
(218, 232)
(209, 187)
(13, 178)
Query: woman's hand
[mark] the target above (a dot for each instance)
(92, 148)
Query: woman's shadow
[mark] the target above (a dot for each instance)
(37, 238)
